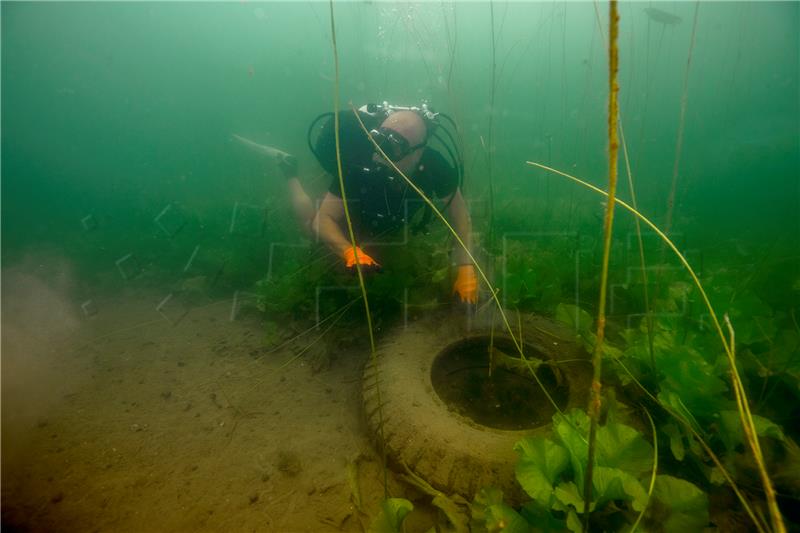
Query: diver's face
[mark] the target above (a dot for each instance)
(398, 145)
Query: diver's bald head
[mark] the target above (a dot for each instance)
(408, 124)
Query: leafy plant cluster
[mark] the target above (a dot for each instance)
(687, 374)
(414, 276)
(552, 471)
(534, 280)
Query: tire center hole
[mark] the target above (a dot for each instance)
(509, 398)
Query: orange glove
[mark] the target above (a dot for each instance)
(364, 260)
(466, 284)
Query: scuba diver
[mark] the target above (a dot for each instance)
(379, 200)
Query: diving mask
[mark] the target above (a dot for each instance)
(394, 145)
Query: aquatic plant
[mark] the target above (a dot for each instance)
(390, 518)
(626, 489)
(597, 357)
(742, 402)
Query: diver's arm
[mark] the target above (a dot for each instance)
(327, 224)
(460, 220)
(328, 227)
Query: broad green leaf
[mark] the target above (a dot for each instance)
(696, 382)
(572, 430)
(580, 322)
(540, 463)
(732, 434)
(485, 498)
(439, 275)
(513, 287)
(614, 484)
(679, 290)
(785, 356)
(678, 507)
(633, 335)
(503, 518)
(673, 401)
(747, 304)
(608, 484)
(621, 446)
(489, 496)
(576, 318)
(675, 440)
(542, 518)
(570, 496)
(743, 308)
(573, 522)
(751, 328)
(610, 351)
(390, 519)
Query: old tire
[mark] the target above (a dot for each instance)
(450, 451)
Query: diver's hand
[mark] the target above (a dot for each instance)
(287, 163)
(367, 263)
(466, 284)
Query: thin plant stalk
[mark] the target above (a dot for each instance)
(753, 437)
(648, 313)
(490, 148)
(597, 357)
(351, 234)
(451, 43)
(681, 122)
(742, 401)
(652, 485)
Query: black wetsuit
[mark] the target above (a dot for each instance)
(378, 200)
(382, 201)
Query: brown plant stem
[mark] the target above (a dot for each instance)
(597, 358)
(645, 283)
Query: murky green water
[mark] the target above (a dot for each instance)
(120, 168)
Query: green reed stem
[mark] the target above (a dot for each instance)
(752, 437)
(351, 234)
(648, 313)
(490, 148)
(652, 485)
(681, 121)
